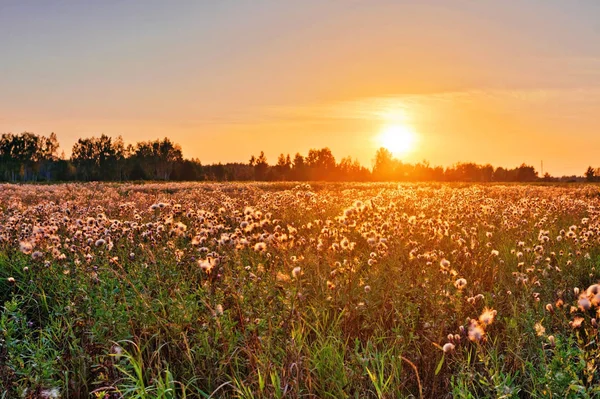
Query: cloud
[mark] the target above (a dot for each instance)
(402, 105)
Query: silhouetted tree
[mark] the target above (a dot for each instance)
(384, 165)
(299, 167)
(260, 166)
(590, 174)
(321, 164)
(98, 158)
(283, 167)
(526, 173)
(158, 157)
(27, 156)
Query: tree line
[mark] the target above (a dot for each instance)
(592, 174)
(28, 157)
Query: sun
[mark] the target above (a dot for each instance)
(398, 139)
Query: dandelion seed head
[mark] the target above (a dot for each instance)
(584, 304)
(448, 347)
(487, 317)
(461, 283)
(476, 332)
(296, 271)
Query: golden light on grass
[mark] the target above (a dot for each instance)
(399, 139)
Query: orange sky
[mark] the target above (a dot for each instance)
(487, 81)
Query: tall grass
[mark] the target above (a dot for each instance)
(142, 320)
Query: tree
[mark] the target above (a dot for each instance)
(98, 158)
(487, 172)
(590, 174)
(384, 165)
(48, 156)
(158, 157)
(299, 167)
(500, 174)
(260, 167)
(283, 167)
(352, 170)
(526, 173)
(27, 155)
(321, 163)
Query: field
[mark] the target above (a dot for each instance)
(299, 291)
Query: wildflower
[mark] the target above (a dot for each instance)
(36, 255)
(559, 303)
(367, 289)
(551, 340)
(282, 278)
(577, 322)
(487, 317)
(26, 247)
(207, 264)
(444, 264)
(476, 332)
(449, 347)
(549, 308)
(219, 310)
(345, 243)
(11, 280)
(52, 393)
(296, 271)
(539, 329)
(593, 290)
(100, 242)
(116, 350)
(460, 283)
(584, 304)
(260, 247)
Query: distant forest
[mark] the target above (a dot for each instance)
(28, 157)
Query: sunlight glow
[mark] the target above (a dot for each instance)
(399, 139)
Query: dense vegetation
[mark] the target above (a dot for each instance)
(282, 290)
(30, 157)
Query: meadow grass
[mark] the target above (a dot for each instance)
(166, 291)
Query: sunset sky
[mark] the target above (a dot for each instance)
(503, 82)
